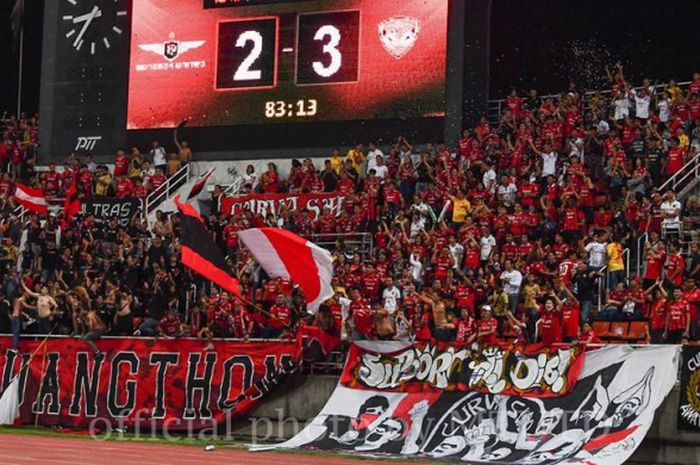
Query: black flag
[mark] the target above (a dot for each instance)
(199, 252)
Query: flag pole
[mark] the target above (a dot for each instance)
(21, 60)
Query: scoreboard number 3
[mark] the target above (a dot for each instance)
(330, 48)
(327, 50)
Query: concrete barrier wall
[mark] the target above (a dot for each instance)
(299, 400)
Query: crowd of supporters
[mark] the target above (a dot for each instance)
(507, 235)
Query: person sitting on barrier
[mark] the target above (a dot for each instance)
(94, 329)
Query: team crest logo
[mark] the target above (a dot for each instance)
(171, 49)
(399, 34)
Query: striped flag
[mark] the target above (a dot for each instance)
(199, 252)
(283, 254)
(200, 184)
(31, 199)
(72, 205)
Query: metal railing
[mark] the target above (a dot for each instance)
(166, 190)
(233, 189)
(495, 108)
(681, 179)
(678, 182)
(362, 240)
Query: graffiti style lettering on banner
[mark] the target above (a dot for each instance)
(266, 204)
(494, 370)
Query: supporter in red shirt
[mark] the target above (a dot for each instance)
(279, 319)
(675, 158)
(588, 336)
(125, 188)
(572, 222)
(655, 258)
(549, 328)
(121, 164)
(157, 180)
(362, 316)
(656, 295)
(674, 267)
(466, 329)
(240, 324)
(270, 179)
(371, 282)
(677, 318)
(139, 191)
(570, 314)
(170, 325)
(488, 327)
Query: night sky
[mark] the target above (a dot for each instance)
(540, 43)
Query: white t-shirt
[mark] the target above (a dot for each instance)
(486, 244)
(391, 296)
(507, 193)
(642, 106)
(668, 208)
(603, 127)
(664, 111)
(489, 179)
(597, 255)
(511, 281)
(372, 158)
(380, 171)
(158, 154)
(622, 108)
(457, 252)
(549, 164)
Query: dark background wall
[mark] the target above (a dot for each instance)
(538, 43)
(544, 43)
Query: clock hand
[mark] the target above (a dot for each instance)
(95, 13)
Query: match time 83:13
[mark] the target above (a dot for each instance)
(282, 109)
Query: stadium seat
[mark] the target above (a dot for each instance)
(601, 329)
(619, 330)
(638, 331)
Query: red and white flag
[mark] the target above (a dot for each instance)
(283, 254)
(31, 199)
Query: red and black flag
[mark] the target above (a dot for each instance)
(72, 205)
(199, 185)
(199, 252)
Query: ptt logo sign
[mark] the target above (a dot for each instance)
(87, 143)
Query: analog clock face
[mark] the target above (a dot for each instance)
(94, 26)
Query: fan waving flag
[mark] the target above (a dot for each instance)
(283, 254)
(31, 199)
(199, 252)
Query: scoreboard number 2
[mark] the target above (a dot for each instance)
(244, 73)
(327, 50)
(247, 54)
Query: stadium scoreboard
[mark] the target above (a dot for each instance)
(233, 62)
(246, 74)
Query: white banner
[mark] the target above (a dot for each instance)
(600, 422)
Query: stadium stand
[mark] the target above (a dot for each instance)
(551, 213)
